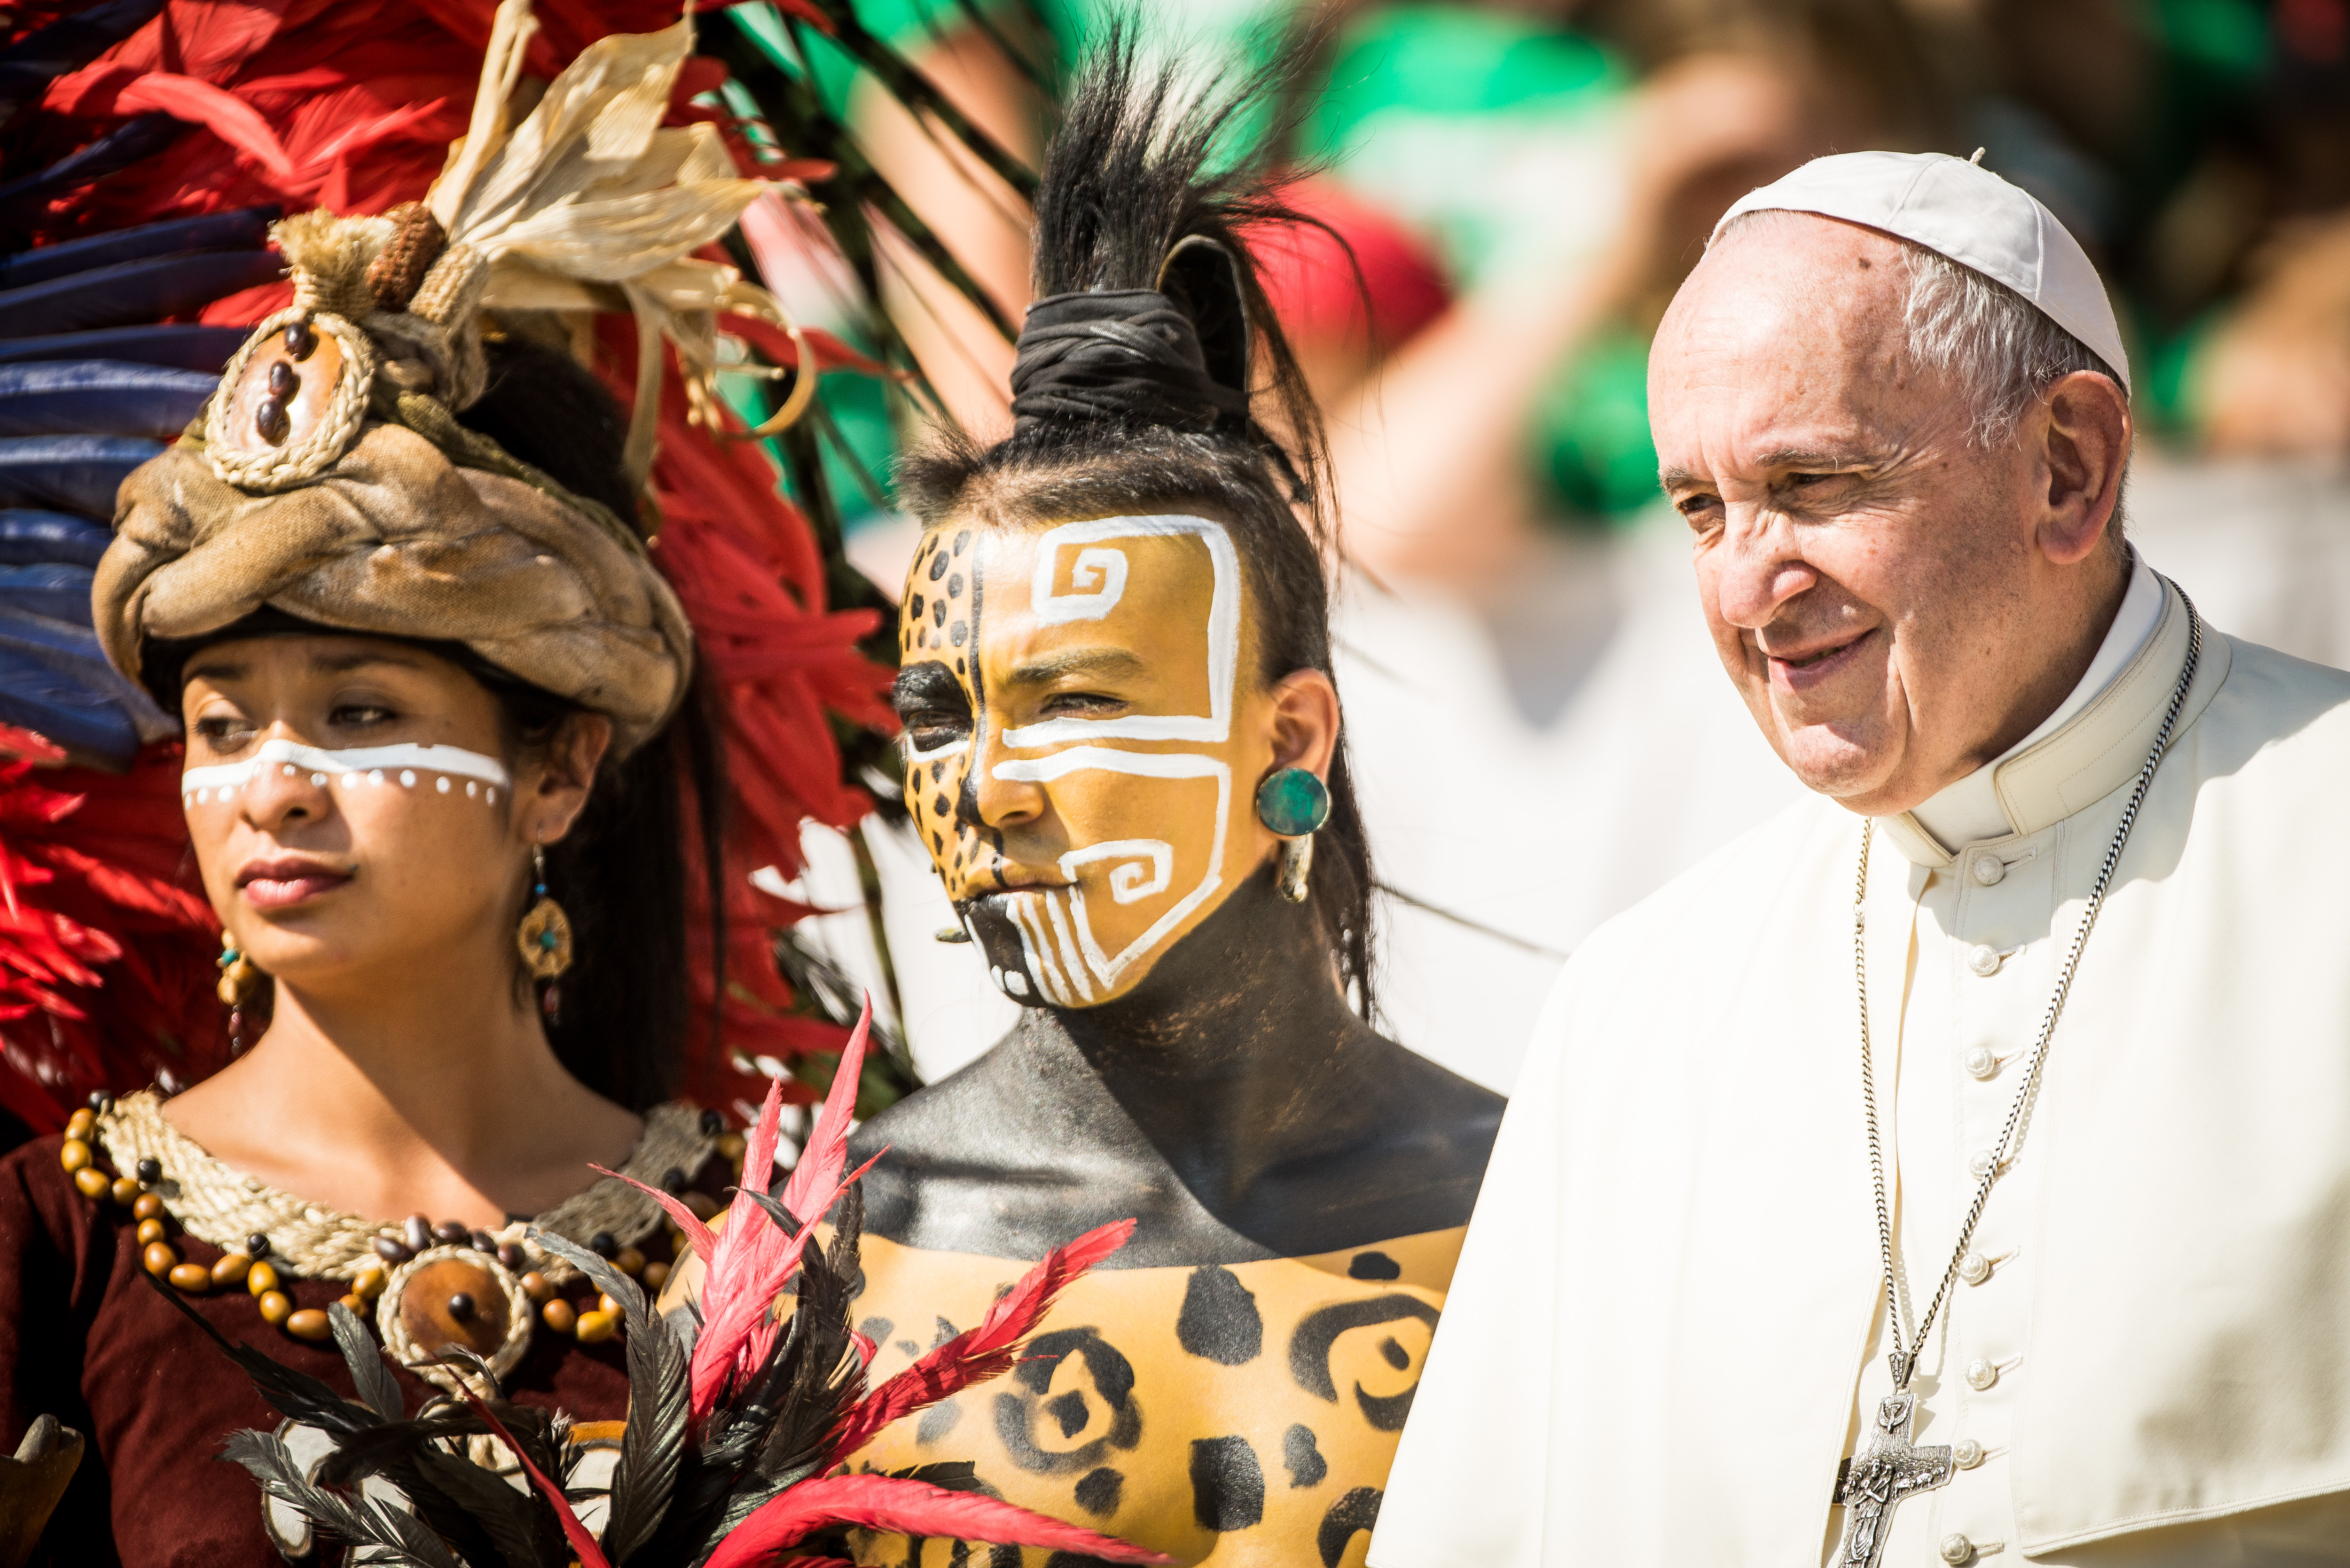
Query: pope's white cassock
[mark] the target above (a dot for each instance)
(1668, 1321)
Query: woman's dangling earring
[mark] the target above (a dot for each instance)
(543, 937)
(1294, 802)
(240, 978)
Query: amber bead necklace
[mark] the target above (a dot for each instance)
(450, 1284)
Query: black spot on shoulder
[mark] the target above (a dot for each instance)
(910, 1348)
(943, 804)
(876, 1329)
(914, 606)
(1312, 1342)
(938, 844)
(937, 565)
(1097, 1493)
(1374, 1266)
(1219, 1321)
(939, 612)
(959, 634)
(1227, 1483)
(959, 668)
(1395, 1356)
(938, 772)
(1348, 1517)
(954, 587)
(938, 1421)
(946, 1330)
(1069, 1411)
(1302, 1459)
(961, 540)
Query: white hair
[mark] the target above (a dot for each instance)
(1999, 347)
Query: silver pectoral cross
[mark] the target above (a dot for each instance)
(1885, 1470)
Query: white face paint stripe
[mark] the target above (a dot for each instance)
(367, 760)
(1033, 948)
(1224, 626)
(1053, 903)
(1144, 764)
(1126, 881)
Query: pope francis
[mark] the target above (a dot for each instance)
(1957, 1169)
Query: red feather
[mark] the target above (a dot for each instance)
(978, 1354)
(582, 1539)
(910, 1508)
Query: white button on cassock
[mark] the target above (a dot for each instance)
(1985, 961)
(1979, 1063)
(1979, 1164)
(1989, 870)
(1974, 1268)
(1981, 1374)
(1956, 1548)
(1966, 1453)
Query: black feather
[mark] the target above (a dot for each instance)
(118, 149)
(131, 290)
(100, 397)
(246, 228)
(293, 1394)
(179, 345)
(370, 1376)
(75, 473)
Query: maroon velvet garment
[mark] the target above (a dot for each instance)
(85, 1337)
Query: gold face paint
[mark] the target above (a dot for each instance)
(1083, 750)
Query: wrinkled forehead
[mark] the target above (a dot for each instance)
(995, 601)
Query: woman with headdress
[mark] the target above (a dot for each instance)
(443, 748)
(1124, 754)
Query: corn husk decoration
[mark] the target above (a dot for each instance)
(586, 203)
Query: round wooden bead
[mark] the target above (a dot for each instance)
(309, 1323)
(604, 1244)
(656, 1275)
(730, 1146)
(369, 1283)
(559, 1314)
(124, 1189)
(90, 1181)
(262, 1278)
(150, 1233)
(352, 1303)
(391, 1250)
(193, 1278)
(712, 1124)
(452, 1233)
(511, 1255)
(483, 1241)
(256, 1245)
(150, 1170)
(232, 1269)
(535, 1286)
(277, 1307)
(74, 1154)
(81, 1124)
(630, 1261)
(596, 1327)
(147, 1206)
(702, 1205)
(418, 1233)
(606, 1304)
(159, 1258)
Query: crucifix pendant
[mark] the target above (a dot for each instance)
(1887, 1470)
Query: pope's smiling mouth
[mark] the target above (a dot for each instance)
(1808, 668)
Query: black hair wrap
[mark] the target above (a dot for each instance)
(1128, 354)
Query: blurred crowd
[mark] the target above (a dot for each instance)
(1543, 734)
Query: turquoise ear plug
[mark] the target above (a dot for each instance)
(1292, 803)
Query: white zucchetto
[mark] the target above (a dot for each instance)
(1966, 213)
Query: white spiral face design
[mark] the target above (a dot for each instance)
(445, 770)
(1075, 775)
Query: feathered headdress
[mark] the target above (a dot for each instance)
(741, 1412)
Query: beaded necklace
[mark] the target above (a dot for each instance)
(425, 1287)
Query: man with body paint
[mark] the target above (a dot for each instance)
(1124, 754)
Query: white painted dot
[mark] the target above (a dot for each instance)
(227, 791)
(186, 799)
(1015, 982)
(493, 793)
(407, 779)
(468, 787)
(318, 778)
(289, 770)
(441, 784)
(376, 777)
(203, 795)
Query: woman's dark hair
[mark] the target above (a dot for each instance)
(1133, 386)
(624, 1014)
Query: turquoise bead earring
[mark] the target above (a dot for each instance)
(543, 939)
(1294, 802)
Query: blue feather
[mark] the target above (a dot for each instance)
(75, 473)
(118, 149)
(29, 538)
(244, 230)
(53, 590)
(99, 397)
(37, 698)
(178, 347)
(71, 654)
(131, 290)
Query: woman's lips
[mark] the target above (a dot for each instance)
(282, 884)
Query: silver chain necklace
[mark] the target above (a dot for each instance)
(1888, 1468)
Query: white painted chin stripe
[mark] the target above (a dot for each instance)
(370, 764)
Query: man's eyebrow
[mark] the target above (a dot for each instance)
(1814, 460)
(1105, 661)
(1672, 478)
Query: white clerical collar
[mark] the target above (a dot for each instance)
(2060, 767)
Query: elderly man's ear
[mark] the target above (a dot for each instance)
(2084, 426)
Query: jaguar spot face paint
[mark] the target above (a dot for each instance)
(1083, 751)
